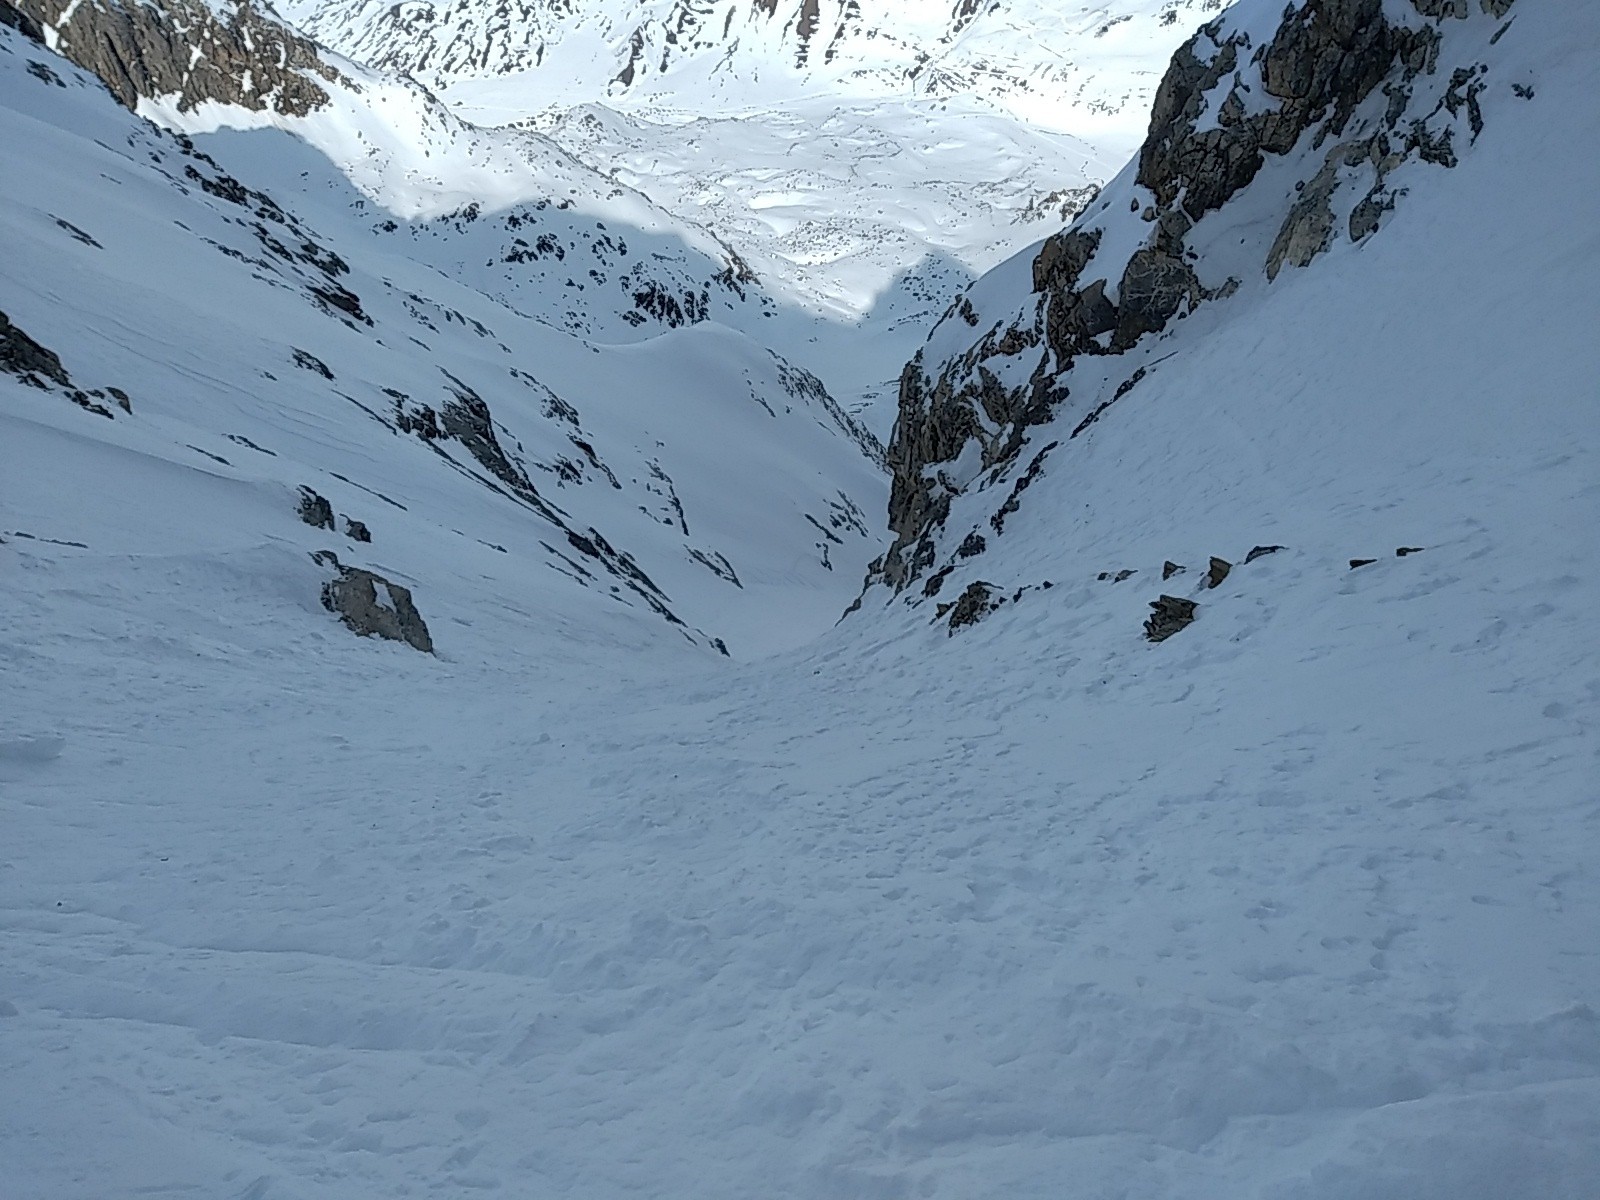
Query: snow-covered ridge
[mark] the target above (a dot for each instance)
(233, 319)
(1058, 65)
(829, 209)
(560, 240)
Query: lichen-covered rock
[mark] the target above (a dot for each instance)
(372, 606)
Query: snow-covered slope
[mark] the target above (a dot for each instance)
(262, 351)
(867, 162)
(1279, 142)
(1296, 904)
(559, 240)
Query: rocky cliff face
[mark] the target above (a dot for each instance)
(1275, 132)
(188, 52)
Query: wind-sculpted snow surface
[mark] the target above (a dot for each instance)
(1297, 903)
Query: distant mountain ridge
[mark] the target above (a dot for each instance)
(1048, 59)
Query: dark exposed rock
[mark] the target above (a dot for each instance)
(307, 361)
(1218, 572)
(1368, 212)
(686, 307)
(78, 235)
(1155, 286)
(467, 419)
(1402, 551)
(1361, 562)
(803, 385)
(1169, 569)
(1324, 60)
(997, 522)
(234, 53)
(1214, 163)
(14, 18)
(1169, 614)
(121, 397)
(717, 564)
(973, 605)
(1073, 318)
(972, 544)
(357, 531)
(40, 367)
(373, 606)
(84, 401)
(1118, 577)
(1261, 551)
(315, 510)
(24, 357)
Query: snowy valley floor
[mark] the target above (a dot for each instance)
(1300, 903)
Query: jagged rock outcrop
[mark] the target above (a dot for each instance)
(1325, 59)
(972, 605)
(315, 510)
(372, 606)
(1345, 92)
(26, 358)
(188, 51)
(38, 366)
(1169, 615)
